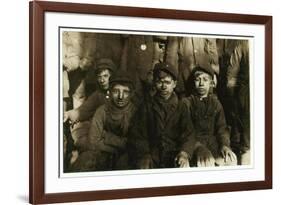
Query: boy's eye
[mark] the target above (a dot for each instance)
(205, 79)
(126, 93)
(115, 91)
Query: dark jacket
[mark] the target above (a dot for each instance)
(234, 90)
(238, 69)
(160, 130)
(238, 82)
(139, 54)
(209, 124)
(108, 135)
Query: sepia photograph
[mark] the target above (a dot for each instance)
(132, 102)
(140, 100)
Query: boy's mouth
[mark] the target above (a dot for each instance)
(200, 89)
(164, 92)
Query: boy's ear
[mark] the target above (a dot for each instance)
(213, 83)
(176, 82)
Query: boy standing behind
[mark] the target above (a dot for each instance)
(212, 147)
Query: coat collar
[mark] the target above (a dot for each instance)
(172, 101)
(170, 105)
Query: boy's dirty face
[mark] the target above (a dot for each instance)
(120, 95)
(103, 79)
(203, 82)
(165, 86)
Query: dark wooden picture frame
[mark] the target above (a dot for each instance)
(37, 96)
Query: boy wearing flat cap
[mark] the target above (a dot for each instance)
(160, 135)
(109, 126)
(79, 117)
(212, 140)
(104, 69)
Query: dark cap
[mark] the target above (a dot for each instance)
(121, 77)
(105, 63)
(161, 69)
(204, 69)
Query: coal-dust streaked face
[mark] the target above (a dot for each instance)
(165, 86)
(120, 95)
(203, 82)
(103, 79)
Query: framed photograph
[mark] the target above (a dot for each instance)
(138, 102)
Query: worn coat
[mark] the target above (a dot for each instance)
(234, 90)
(208, 120)
(160, 130)
(238, 83)
(108, 136)
(139, 55)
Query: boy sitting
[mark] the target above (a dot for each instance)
(212, 139)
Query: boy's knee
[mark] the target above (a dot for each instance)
(245, 158)
(79, 133)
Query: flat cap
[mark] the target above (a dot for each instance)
(121, 77)
(105, 63)
(205, 69)
(167, 68)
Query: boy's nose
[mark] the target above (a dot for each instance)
(120, 96)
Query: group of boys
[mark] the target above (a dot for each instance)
(157, 130)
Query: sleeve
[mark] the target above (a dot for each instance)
(66, 84)
(221, 128)
(96, 137)
(88, 108)
(174, 56)
(172, 51)
(187, 139)
(138, 144)
(234, 67)
(114, 140)
(211, 49)
(124, 54)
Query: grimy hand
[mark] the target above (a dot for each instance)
(181, 160)
(205, 158)
(227, 154)
(71, 115)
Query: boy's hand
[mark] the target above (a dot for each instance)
(71, 115)
(205, 158)
(227, 154)
(145, 162)
(181, 160)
